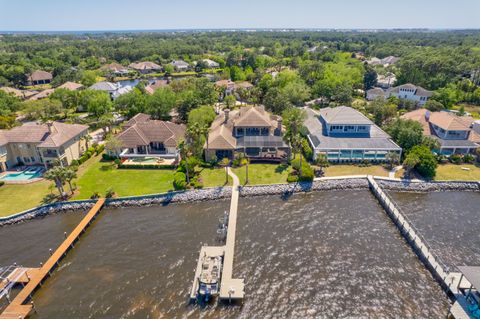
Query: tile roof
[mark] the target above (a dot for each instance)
(72, 86)
(41, 135)
(250, 116)
(40, 75)
(151, 88)
(450, 122)
(3, 139)
(115, 67)
(104, 86)
(18, 93)
(141, 130)
(344, 115)
(179, 63)
(42, 94)
(146, 65)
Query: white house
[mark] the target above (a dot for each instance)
(180, 65)
(410, 92)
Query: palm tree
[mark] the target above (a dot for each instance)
(184, 149)
(57, 175)
(294, 119)
(69, 174)
(87, 138)
(392, 158)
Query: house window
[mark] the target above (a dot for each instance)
(26, 160)
(33, 159)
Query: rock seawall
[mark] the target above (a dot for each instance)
(245, 191)
(408, 186)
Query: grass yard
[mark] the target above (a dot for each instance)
(257, 173)
(343, 170)
(97, 176)
(263, 174)
(455, 172)
(15, 198)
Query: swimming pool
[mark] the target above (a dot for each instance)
(29, 173)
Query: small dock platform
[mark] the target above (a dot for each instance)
(17, 308)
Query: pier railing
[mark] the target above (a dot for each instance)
(411, 233)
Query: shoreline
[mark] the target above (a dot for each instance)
(216, 193)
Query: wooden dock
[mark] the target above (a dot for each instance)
(17, 308)
(231, 289)
(449, 280)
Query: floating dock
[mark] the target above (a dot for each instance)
(17, 308)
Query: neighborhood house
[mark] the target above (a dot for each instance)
(180, 65)
(146, 67)
(454, 133)
(345, 135)
(250, 131)
(144, 138)
(404, 92)
(34, 144)
(39, 77)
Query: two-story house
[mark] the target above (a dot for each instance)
(144, 137)
(345, 135)
(250, 131)
(42, 144)
(408, 91)
(454, 133)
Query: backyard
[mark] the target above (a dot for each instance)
(342, 170)
(464, 172)
(257, 174)
(15, 198)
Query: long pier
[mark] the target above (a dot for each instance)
(17, 308)
(230, 288)
(450, 281)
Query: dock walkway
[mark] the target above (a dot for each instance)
(450, 281)
(17, 308)
(231, 289)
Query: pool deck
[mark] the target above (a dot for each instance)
(17, 308)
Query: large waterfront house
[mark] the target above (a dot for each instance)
(39, 77)
(145, 67)
(114, 89)
(144, 137)
(407, 91)
(41, 144)
(345, 135)
(250, 131)
(455, 133)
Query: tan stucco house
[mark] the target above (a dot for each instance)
(41, 144)
(251, 131)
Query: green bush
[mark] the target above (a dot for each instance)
(107, 157)
(99, 149)
(427, 162)
(307, 173)
(95, 195)
(456, 159)
(180, 181)
(307, 149)
(196, 183)
(110, 193)
(469, 158)
(292, 178)
(74, 163)
(2, 183)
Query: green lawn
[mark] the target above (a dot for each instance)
(455, 172)
(212, 177)
(263, 174)
(15, 198)
(97, 176)
(343, 170)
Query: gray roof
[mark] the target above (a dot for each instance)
(376, 140)
(104, 86)
(472, 273)
(343, 115)
(455, 143)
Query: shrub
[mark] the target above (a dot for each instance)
(292, 178)
(117, 161)
(307, 173)
(307, 149)
(426, 163)
(196, 183)
(2, 183)
(47, 199)
(456, 159)
(179, 181)
(95, 195)
(74, 163)
(108, 157)
(110, 193)
(469, 158)
(99, 149)
(224, 162)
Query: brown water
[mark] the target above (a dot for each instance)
(321, 255)
(449, 222)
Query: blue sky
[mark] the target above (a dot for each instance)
(54, 15)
